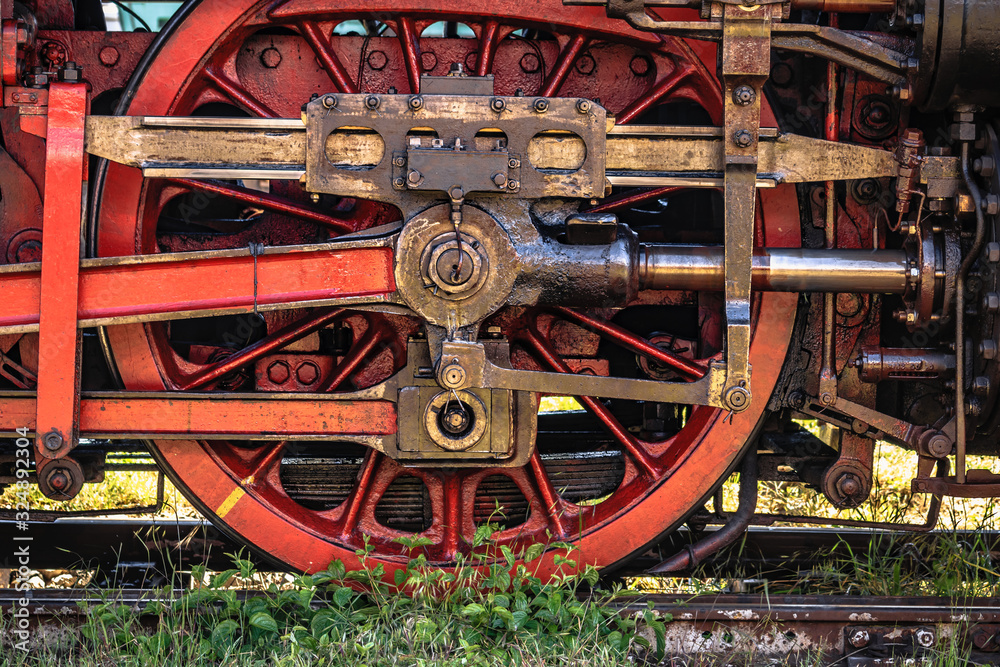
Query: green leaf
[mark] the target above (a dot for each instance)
(520, 618)
(342, 596)
(222, 578)
(473, 609)
(533, 552)
(222, 636)
(264, 621)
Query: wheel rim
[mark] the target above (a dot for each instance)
(242, 487)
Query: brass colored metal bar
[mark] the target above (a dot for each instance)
(844, 6)
(638, 156)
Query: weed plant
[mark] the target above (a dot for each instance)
(489, 610)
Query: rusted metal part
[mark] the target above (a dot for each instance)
(58, 293)
(877, 364)
(633, 155)
(737, 523)
(977, 484)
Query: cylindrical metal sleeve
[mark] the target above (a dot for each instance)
(776, 269)
(876, 364)
(847, 6)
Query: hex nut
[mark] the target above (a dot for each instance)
(742, 138)
(278, 372)
(744, 95)
(541, 105)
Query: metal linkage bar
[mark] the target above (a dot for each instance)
(143, 288)
(208, 416)
(58, 342)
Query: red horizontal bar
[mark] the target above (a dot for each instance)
(150, 287)
(173, 415)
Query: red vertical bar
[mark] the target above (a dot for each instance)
(59, 342)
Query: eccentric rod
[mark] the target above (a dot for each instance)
(776, 269)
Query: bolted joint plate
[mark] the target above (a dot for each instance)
(357, 149)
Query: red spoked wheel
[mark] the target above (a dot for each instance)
(612, 482)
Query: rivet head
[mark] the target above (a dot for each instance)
(742, 138)
(744, 95)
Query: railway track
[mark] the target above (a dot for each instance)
(848, 630)
(138, 552)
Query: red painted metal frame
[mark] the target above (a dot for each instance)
(59, 342)
(181, 415)
(217, 282)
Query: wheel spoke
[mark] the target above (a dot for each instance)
(633, 198)
(267, 201)
(636, 344)
(263, 465)
(631, 444)
(406, 29)
(567, 57)
(659, 91)
(327, 58)
(487, 47)
(452, 496)
(357, 500)
(371, 339)
(550, 499)
(293, 332)
(239, 94)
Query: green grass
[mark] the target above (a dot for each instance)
(479, 614)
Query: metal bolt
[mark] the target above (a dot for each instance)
(53, 440)
(278, 372)
(988, 349)
(377, 60)
(59, 479)
(529, 63)
(109, 56)
(329, 101)
(744, 95)
(991, 302)
(925, 637)
(497, 104)
(456, 419)
(583, 106)
(991, 204)
(55, 54)
(416, 103)
(513, 163)
(513, 184)
(985, 166)
(981, 385)
(414, 177)
(541, 105)
(992, 252)
(848, 304)
(826, 398)
(939, 445)
(314, 197)
(585, 64)
(737, 399)
(849, 485)
(500, 179)
(372, 102)
(399, 182)
(456, 69)
(307, 372)
(640, 66)
(399, 161)
(743, 138)
(270, 57)
(860, 638)
(858, 426)
(428, 60)
(453, 376)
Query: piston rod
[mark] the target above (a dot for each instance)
(776, 269)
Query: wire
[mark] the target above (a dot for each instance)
(128, 10)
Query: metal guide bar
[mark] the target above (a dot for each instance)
(640, 155)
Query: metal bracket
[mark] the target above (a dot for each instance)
(59, 341)
(745, 65)
(464, 364)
